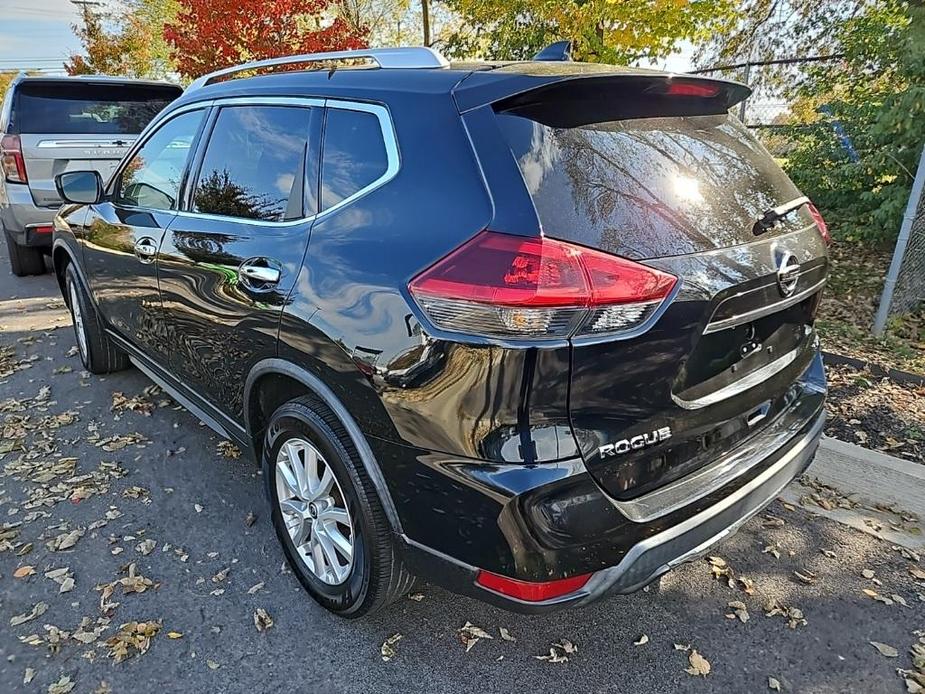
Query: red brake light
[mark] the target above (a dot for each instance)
(820, 223)
(692, 89)
(14, 168)
(528, 590)
(509, 286)
(43, 229)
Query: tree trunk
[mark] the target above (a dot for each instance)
(425, 20)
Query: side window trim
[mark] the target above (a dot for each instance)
(388, 137)
(385, 124)
(149, 132)
(185, 209)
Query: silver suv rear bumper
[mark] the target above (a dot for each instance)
(18, 211)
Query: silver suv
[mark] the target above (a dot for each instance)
(49, 125)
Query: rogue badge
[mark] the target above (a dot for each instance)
(635, 443)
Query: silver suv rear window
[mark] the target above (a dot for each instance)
(80, 108)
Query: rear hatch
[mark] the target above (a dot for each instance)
(654, 169)
(79, 125)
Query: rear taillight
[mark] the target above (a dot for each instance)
(14, 168)
(820, 223)
(528, 590)
(499, 285)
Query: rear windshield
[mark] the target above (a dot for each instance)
(649, 187)
(81, 108)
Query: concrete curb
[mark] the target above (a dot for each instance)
(870, 478)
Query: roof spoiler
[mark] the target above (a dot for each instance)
(571, 100)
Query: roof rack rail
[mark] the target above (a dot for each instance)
(406, 57)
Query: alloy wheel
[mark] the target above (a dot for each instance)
(314, 511)
(78, 319)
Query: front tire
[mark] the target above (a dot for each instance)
(24, 260)
(327, 513)
(97, 352)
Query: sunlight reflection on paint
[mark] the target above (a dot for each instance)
(687, 188)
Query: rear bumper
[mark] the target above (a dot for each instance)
(19, 215)
(552, 521)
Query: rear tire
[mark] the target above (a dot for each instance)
(24, 260)
(376, 575)
(97, 352)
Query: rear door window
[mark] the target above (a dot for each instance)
(261, 163)
(77, 107)
(355, 155)
(152, 176)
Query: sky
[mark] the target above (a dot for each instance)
(36, 33)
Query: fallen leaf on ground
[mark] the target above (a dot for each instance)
(885, 649)
(145, 547)
(24, 571)
(739, 611)
(387, 650)
(505, 634)
(262, 620)
(641, 641)
(213, 665)
(174, 635)
(132, 638)
(65, 540)
(794, 615)
(62, 686)
(773, 684)
(254, 588)
(700, 666)
(553, 656)
(38, 609)
(469, 635)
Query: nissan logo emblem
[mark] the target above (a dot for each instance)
(788, 274)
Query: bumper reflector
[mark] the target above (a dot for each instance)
(528, 590)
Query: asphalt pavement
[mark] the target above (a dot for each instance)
(99, 473)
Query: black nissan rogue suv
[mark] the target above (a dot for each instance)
(534, 331)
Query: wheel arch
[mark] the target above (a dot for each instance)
(62, 255)
(288, 377)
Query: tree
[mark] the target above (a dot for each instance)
(856, 124)
(600, 30)
(207, 35)
(126, 41)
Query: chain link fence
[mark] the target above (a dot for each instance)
(904, 289)
(774, 86)
(770, 112)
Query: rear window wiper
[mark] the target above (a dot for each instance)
(770, 217)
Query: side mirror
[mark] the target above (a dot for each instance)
(81, 187)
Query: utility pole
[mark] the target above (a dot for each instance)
(425, 20)
(85, 6)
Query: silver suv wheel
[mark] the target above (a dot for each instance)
(314, 511)
(78, 318)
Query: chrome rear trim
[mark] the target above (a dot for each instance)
(700, 483)
(745, 383)
(763, 311)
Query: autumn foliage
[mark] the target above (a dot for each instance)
(208, 35)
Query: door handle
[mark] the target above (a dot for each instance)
(145, 249)
(259, 273)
